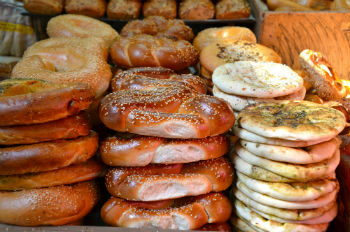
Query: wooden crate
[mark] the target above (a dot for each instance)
(290, 33)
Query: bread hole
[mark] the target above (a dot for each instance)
(63, 60)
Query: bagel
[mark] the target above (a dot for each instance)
(92, 8)
(165, 8)
(70, 25)
(184, 214)
(127, 80)
(146, 50)
(160, 182)
(169, 112)
(67, 60)
(47, 155)
(74, 173)
(140, 150)
(44, 7)
(160, 27)
(31, 101)
(58, 205)
(66, 128)
(229, 51)
(209, 35)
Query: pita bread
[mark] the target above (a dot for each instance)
(292, 120)
(267, 200)
(290, 191)
(283, 214)
(298, 172)
(269, 225)
(311, 154)
(242, 226)
(249, 136)
(297, 96)
(257, 79)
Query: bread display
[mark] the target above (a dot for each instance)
(165, 8)
(196, 10)
(46, 7)
(92, 8)
(124, 9)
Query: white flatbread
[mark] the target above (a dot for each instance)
(307, 155)
(270, 201)
(287, 215)
(290, 191)
(292, 120)
(257, 79)
(249, 136)
(242, 226)
(298, 172)
(298, 95)
(272, 226)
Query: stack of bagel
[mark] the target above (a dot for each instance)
(46, 155)
(169, 173)
(285, 161)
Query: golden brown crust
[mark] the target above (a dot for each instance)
(45, 7)
(149, 183)
(55, 206)
(66, 128)
(232, 9)
(230, 51)
(165, 8)
(193, 213)
(92, 8)
(140, 151)
(47, 155)
(124, 9)
(146, 50)
(75, 173)
(31, 101)
(196, 10)
(160, 27)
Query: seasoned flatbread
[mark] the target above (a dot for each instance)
(270, 201)
(292, 120)
(257, 79)
(299, 172)
(290, 191)
(283, 215)
(272, 226)
(242, 226)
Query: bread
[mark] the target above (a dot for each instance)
(92, 8)
(140, 151)
(44, 7)
(165, 8)
(232, 9)
(159, 27)
(124, 9)
(184, 214)
(146, 50)
(46, 156)
(30, 101)
(161, 182)
(196, 10)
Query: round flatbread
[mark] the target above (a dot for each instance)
(298, 172)
(292, 120)
(287, 215)
(290, 191)
(297, 96)
(257, 79)
(249, 136)
(270, 201)
(242, 226)
(307, 155)
(269, 225)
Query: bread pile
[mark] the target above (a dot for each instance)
(170, 172)
(46, 164)
(245, 83)
(285, 162)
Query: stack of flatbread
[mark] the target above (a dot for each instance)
(244, 83)
(285, 161)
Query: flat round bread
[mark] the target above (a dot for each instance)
(249, 136)
(270, 201)
(292, 120)
(298, 172)
(257, 79)
(290, 191)
(269, 225)
(307, 155)
(297, 96)
(242, 226)
(288, 215)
